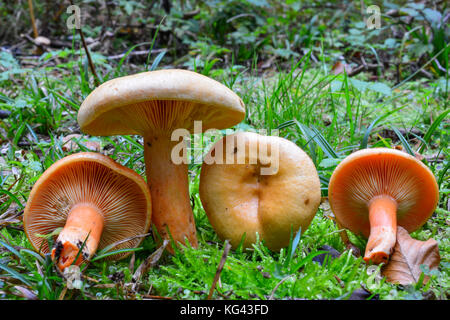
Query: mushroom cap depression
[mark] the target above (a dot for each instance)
(368, 173)
(158, 101)
(238, 199)
(120, 194)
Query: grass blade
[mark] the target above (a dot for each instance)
(432, 129)
(365, 139)
(107, 254)
(404, 142)
(15, 274)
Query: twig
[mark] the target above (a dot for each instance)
(91, 64)
(348, 244)
(33, 22)
(340, 282)
(115, 244)
(148, 263)
(63, 293)
(134, 53)
(277, 286)
(219, 268)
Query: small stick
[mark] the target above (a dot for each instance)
(91, 64)
(33, 22)
(278, 285)
(63, 293)
(219, 268)
(348, 244)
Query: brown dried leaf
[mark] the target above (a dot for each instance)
(148, 263)
(70, 143)
(409, 254)
(26, 293)
(339, 67)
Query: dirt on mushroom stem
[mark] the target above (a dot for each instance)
(169, 187)
(84, 225)
(383, 229)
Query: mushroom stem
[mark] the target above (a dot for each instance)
(169, 188)
(84, 223)
(383, 229)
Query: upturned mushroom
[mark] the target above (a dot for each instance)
(252, 183)
(95, 200)
(373, 190)
(154, 104)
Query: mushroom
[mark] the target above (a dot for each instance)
(374, 190)
(251, 183)
(154, 104)
(95, 200)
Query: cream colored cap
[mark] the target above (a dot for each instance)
(161, 100)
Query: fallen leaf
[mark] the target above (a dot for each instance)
(26, 293)
(148, 263)
(70, 143)
(363, 294)
(331, 253)
(4, 114)
(339, 67)
(409, 254)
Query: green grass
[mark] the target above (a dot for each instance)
(328, 116)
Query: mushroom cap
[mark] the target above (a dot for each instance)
(157, 101)
(118, 192)
(238, 199)
(368, 173)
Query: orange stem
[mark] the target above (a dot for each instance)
(383, 229)
(84, 223)
(169, 187)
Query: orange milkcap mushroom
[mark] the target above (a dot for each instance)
(154, 104)
(97, 202)
(267, 186)
(374, 190)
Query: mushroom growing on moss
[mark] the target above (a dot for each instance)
(154, 104)
(258, 184)
(374, 190)
(95, 200)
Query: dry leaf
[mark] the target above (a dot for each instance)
(148, 263)
(331, 253)
(409, 254)
(26, 293)
(339, 67)
(70, 143)
(363, 294)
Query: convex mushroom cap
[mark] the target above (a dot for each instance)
(95, 200)
(268, 185)
(373, 190)
(154, 104)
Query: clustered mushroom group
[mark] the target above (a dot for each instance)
(98, 202)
